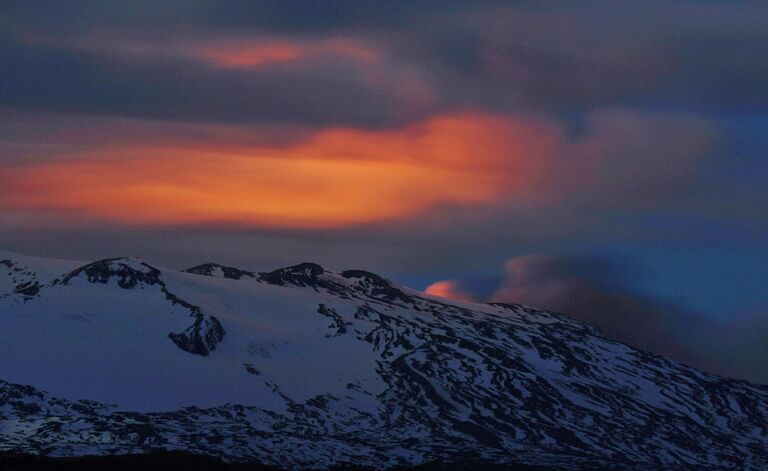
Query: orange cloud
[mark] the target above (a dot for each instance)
(254, 52)
(234, 52)
(337, 177)
(371, 62)
(449, 289)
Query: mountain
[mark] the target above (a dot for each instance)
(303, 367)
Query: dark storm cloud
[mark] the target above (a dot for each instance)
(50, 78)
(297, 16)
(570, 56)
(562, 58)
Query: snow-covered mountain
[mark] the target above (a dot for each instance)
(304, 367)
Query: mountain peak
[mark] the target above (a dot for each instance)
(303, 274)
(129, 272)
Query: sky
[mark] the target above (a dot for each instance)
(608, 159)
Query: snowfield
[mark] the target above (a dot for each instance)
(304, 367)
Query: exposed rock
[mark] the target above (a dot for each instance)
(200, 338)
(214, 269)
(128, 272)
(303, 274)
(375, 286)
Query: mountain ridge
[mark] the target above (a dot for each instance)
(315, 368)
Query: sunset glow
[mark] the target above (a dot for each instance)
(383, 234)
(449, 289)
(336, 178)
(608, 159)
(248, 52)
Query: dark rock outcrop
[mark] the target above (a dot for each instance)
(375, 286)
(348, 284)
(128, 272)
(201, 337)
(303, 274)
(209, 269)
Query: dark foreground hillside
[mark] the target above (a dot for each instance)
(182, 461)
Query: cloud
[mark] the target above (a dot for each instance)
(230, 51)
(154, 173)
(331, 178)
(323, 90)
(367, 65)
(740, 348)
(599, 292)
(450, 289)
(684, 56)
(641, 157)
(249, 53)
(284, 16)
(594, 291)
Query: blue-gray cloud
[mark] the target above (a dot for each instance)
(554, 57)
